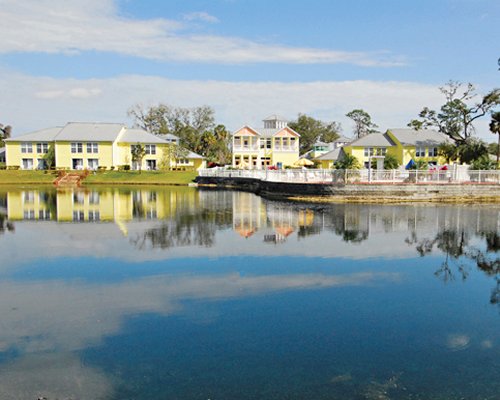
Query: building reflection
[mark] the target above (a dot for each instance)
(249, 216)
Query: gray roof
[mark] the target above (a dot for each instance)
(43, 135)
(193, 155)
(331, 155)
(140, 136)
(342, 139)
(422, 137)
(267, 133)
(170, 137)
(275, 117)
(90, 131)
(373, 139)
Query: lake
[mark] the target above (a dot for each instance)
(183, 293)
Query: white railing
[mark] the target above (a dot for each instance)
(357, 176)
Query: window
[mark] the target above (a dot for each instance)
(78, 216)
(29, 214)
(44, 215)
(183, 161)
(94, 198)
(237, 141)
(150, 148)
(77, 147)
(292, 142)
(433, 151)
(26, 148)
(42, 148)
(268, 143)
(27, 163)
(262, 143)
(78, 197)
(41, 164)
(369, 151)
(94, 215)
(277, 143)
(420, 152)
(29, 197)
(92, 147)
(93, 163)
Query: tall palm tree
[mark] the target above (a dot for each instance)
(495, 129)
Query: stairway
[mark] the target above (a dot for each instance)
(69, 179)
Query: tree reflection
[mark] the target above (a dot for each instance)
(189, 227)
(457, 247)
(5, 224)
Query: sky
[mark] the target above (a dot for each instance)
(92, 60)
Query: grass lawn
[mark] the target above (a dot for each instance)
(13, 177)
(20, 177)
(143, 178)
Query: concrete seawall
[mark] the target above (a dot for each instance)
(398, 192)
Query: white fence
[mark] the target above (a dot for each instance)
(359, 176)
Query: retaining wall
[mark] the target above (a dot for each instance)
(373, 190)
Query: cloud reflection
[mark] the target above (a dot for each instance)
(68, 316)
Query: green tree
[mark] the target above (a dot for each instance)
(138, 152)
(50, 157)
(456, 116)
(495, 129)
(449, 151)
(390, 162)
(420, 165)
(347, 162)
(214, 145)
(5, 132)
(186, 123)
(311, 130)
(471, 150)
(363, 124)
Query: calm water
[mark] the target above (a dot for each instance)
(186, 294)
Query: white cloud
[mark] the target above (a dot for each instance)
(201, 16)
(68, 27)
(53, 102)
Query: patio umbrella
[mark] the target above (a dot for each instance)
(410, 164)
(303, 162)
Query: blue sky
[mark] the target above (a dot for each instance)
(64, 60)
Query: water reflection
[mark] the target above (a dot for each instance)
(180, 293)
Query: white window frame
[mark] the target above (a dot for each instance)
(150, 149)
(26, 148)
(29, 163)
(93, 163)
(92, 147)
(76, 147)
(419, 151)
(42, 148)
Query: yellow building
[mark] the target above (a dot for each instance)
(91, 205)
(404, 144)
(366, 147)
(411, 144)
(276, 144)
(96, 145)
